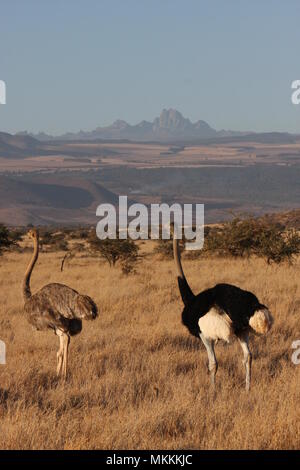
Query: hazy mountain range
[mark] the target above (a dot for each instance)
(170, 125)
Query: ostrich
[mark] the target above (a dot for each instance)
(56, 307)
(221, 312)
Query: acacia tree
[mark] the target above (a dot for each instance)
(244, 237)
(6, 239)
(56, 241)
(277, 245)
(124, 252)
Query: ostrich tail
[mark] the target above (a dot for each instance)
(261, 322)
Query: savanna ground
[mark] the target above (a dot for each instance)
(136, 378)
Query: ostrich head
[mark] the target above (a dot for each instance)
(33, 233)
(87, 308)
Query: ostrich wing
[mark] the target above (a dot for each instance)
(61, 298)
(239, 304)
(59, 306)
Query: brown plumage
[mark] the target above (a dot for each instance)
(56, 307)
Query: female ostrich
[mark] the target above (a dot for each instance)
(222, 312)
(56, 307)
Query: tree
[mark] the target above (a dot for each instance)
(278, 245)
(115, 251)
(6, 239)
(69, 255)
(244, 237)
(56, 241)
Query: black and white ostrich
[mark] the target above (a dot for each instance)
(221, 313)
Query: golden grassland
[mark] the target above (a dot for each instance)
(136, 378)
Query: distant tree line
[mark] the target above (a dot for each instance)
(242, 237)
(8, 238)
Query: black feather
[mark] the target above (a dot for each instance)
(237, 303)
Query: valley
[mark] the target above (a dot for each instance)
(54, 182)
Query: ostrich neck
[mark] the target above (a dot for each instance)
(177, 258)
(26, 281)
(184, 288)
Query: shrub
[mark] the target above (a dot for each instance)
(60, 245)
(55, 241)
(7, 238)
(244, 237)
(164, 248)
(278, 245)
(113, 251)
(81, 233)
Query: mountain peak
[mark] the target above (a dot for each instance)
(119, 124)
(171, 119)
(170, 125)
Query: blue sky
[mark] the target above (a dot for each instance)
(78, 64)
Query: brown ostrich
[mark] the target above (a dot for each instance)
(56, 307)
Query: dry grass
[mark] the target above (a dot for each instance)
(137, 379)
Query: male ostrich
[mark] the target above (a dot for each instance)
(56, 307)
(222, 312)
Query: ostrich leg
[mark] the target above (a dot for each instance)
(60, 352)
(247, 361)
(212, 361)
(66, 342)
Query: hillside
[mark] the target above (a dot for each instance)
(51, 200)
(17, 145)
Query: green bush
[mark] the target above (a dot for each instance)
(8, 238)
(5, 240)
(53, 240)
(244, 237)
(124, 252)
